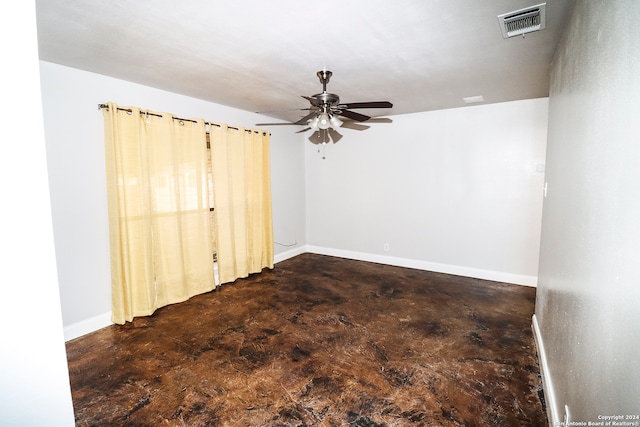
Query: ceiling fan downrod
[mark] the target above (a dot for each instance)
(324, 77)
(324, 100)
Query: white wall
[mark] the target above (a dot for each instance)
(457, 191)
(75, 152)
(34, 381)
(587, 310)
(454, 190)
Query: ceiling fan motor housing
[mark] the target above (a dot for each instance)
(325, 98)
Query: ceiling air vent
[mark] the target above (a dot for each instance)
(523, 21)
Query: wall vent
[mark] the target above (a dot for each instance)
(523, 21)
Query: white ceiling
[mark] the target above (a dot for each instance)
(263, 55)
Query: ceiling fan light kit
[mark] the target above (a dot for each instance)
(323, 121)
(335, 122)
(324, 110)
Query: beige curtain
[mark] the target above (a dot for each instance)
(158, 210)
(242, 195)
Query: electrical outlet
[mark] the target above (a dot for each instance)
(386, 247)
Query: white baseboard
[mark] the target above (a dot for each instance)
(290, 253)
(497, 276)
(86, 326)
(92, 324)
(547, 385)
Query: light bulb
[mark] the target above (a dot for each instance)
(313, 124)
(323, 121)
(335, 122)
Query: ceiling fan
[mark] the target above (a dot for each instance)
(324, 111)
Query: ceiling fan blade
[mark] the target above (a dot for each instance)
(275, 124)
(320, 137)
(316, 137)
(377, 104)
(313, 100)
(380, 120)
(353, 115)
(282, 111)
(335, 136)
(324, 134)
(303, 130)
(305, 119)
(354, 125)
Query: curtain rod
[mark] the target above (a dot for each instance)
(128, 110)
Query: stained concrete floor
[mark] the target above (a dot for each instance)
(319, 341)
